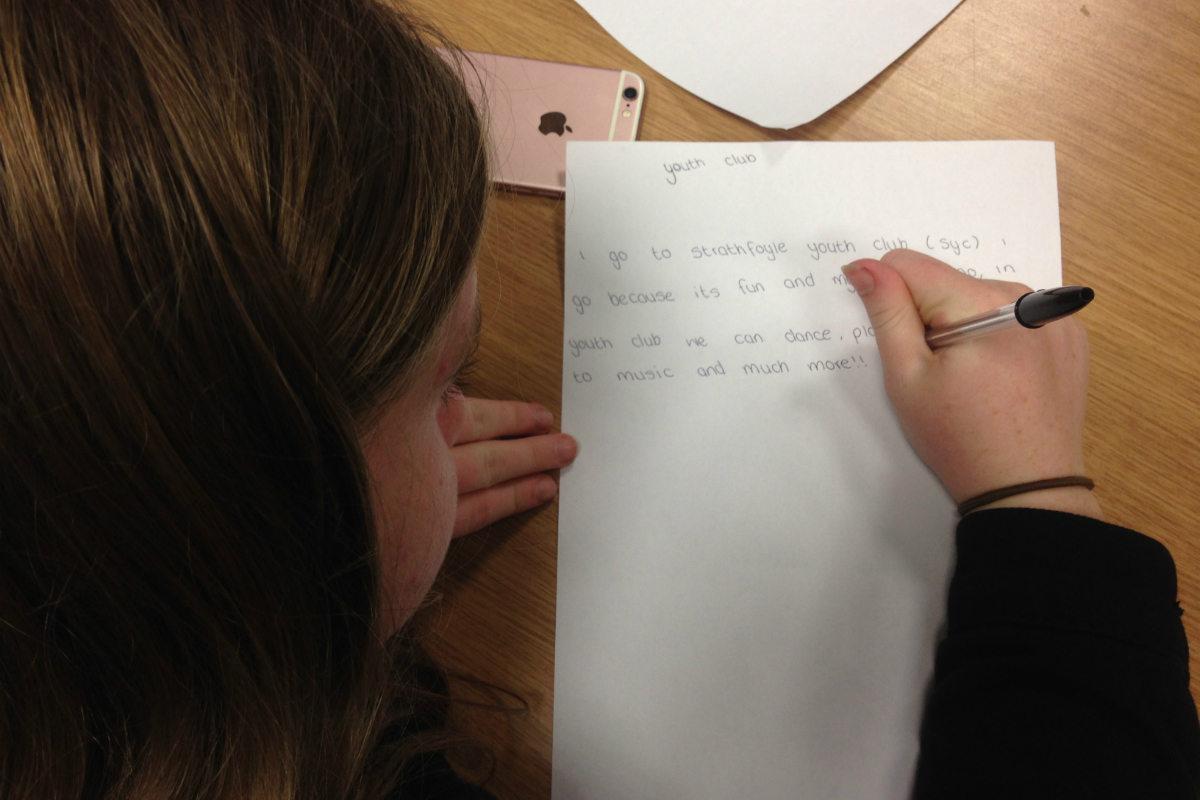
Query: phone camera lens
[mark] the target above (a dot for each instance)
(630, 93)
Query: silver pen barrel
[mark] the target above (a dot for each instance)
(969, 328)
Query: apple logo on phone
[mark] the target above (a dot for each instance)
(554, 121)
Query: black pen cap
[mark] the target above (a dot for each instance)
(1037, 308)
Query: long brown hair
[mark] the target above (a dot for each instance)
(228, 230)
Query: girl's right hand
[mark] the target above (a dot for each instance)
(988, 413)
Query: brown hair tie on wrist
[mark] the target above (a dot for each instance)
(973, 503)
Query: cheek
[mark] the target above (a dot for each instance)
(415, 493)
(447, 488)
(451, 416)
(438, 476)
(442, 476)
(418, 544)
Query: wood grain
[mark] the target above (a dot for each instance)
(1115, 83)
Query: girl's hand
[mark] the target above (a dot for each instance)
(501, 451)
(993, 412)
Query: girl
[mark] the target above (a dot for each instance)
(236, 247)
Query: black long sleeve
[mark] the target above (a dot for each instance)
(1064, 671)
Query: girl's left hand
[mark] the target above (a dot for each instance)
(501, 451)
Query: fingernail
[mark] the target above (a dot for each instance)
(566, 449)
(859, 278)
(546, 489)
(544, 420)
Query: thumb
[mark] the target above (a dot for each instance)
(899, 329)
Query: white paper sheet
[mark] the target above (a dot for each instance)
(751, 561)
(779, 63)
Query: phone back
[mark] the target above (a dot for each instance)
(533, 108)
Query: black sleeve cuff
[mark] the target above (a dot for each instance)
(1047, 569)
(1064, 671)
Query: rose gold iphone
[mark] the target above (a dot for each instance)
(533, 108)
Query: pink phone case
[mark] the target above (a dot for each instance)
(533, 108)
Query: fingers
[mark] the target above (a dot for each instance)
(491, 419)
(483, 464)
(906, 291)
(943, 294)
(497, 476)
(899, 329)
(480, 509)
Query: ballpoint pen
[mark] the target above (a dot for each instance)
(1032, 310)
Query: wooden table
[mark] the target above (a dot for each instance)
(1115, 83)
